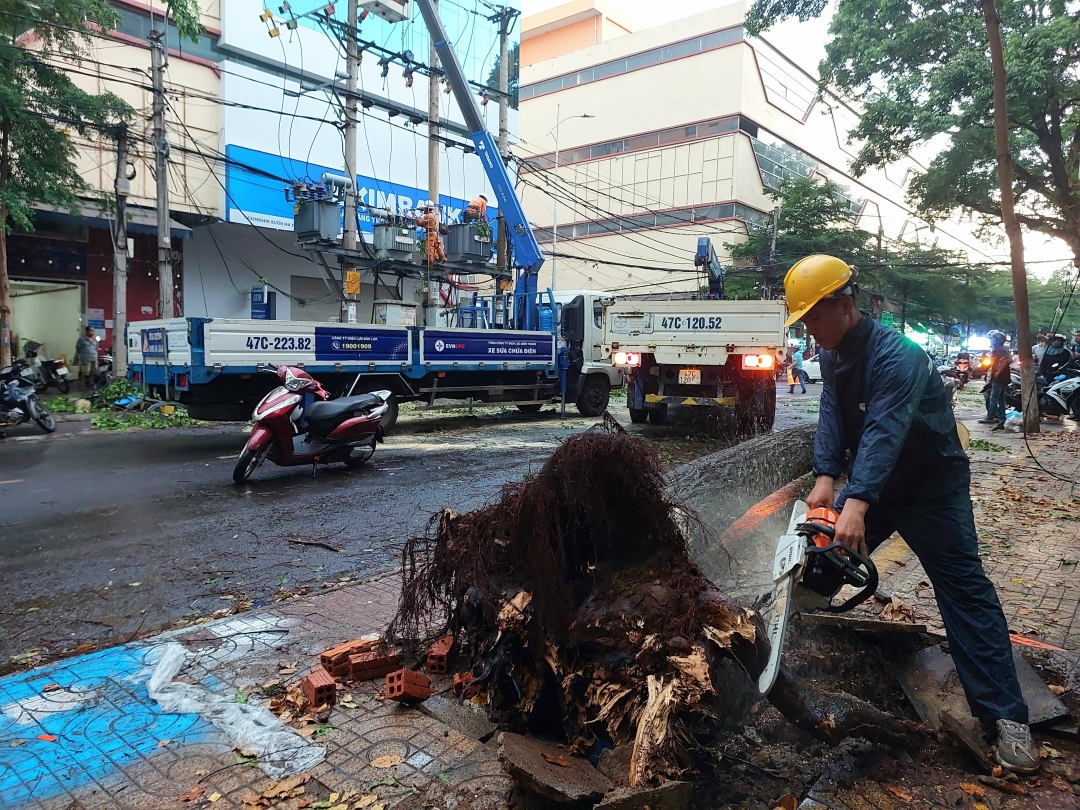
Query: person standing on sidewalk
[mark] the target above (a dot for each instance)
(798, 373)
(883, 406)
(86, 355)
(1000, 372)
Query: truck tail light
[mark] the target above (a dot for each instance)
(758, 361)
(627, 358)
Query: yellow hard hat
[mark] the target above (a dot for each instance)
(812, 279)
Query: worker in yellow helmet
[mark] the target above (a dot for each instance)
(885, 421)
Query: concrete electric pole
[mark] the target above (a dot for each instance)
(121, 188)
(350, 278)
(433, 159)
(161, 162)
(1028, 401)
(505, 17)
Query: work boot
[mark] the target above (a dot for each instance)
(998, 426)
(1015, 749)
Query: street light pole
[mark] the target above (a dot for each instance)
(554, 199)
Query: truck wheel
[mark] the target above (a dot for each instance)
(530, 407)
(594, 395)
(767, 415)
(658, 416)
(639, 417)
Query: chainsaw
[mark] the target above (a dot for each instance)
(809, 569)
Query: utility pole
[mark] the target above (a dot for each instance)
(1028, 401)
(161, 162)
(121, 188)
(348, 236)
(434, 87)
(772, 254)
(505, 15)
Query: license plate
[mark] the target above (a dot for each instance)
(63, 372)
(689, 376)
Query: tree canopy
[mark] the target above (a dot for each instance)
(916, 282)
(922, 73)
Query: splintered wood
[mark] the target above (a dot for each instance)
(576, 607)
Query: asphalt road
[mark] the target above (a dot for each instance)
(105, 537)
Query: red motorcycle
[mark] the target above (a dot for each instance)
(297, 423)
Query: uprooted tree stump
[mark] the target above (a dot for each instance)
(573, 596)
(575, 602)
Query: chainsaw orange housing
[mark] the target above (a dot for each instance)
(826, 517)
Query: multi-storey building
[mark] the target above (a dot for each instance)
(670, 133)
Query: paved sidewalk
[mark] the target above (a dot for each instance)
(1029, 530)
(114, 748)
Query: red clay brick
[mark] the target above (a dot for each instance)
(319, 687)
(441, 656)
(370, 665)
(336, 661)
(461, 682)
(406, 686)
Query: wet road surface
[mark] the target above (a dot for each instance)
(105, 537)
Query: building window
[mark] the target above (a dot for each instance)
(663, 219)
(786, 87)
(657, 56)
(778, 160)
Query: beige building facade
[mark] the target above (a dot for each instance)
(689, 123)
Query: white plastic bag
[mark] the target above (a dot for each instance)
(1014, 421)
(281, 751)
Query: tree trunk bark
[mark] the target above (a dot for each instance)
(1029, 400)
(5, 286)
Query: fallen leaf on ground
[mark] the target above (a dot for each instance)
(786, 802)
(286, 785)
(899, 792)
(366, 800)
(1061, 785)
(1003, 786)
(1049, 752)
(972, 790)
(556, 759)
(192, 795)
(997, 771)
(163, 743)
(388, 761)
(1057, 690)
(213, 797)
(51, 687)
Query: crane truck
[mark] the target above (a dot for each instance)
(513, 354)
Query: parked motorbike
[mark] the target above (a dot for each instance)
(46, 372)
(19, 402)
(1056, 397)
(297, 423)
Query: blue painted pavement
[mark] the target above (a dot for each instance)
(98, 709)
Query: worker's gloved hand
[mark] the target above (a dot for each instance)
(851, 527)
(821, 496)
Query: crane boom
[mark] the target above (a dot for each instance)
(527, 253)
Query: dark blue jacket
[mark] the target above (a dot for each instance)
(884, 418)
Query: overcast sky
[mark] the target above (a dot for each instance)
(804, 43)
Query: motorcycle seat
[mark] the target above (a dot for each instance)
(338, 409)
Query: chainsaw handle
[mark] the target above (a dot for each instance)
(844, 561)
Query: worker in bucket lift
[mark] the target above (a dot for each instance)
(429, 221)
(476, 210)
(885, 421)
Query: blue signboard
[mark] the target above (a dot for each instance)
(488, 345)
(154, 343)
(350, 343)
(263, 305)
(254, 196)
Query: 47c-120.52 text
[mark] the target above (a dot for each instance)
(691, 322)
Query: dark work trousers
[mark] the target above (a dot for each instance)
(936, 522)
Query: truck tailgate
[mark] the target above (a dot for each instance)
(702, 332)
